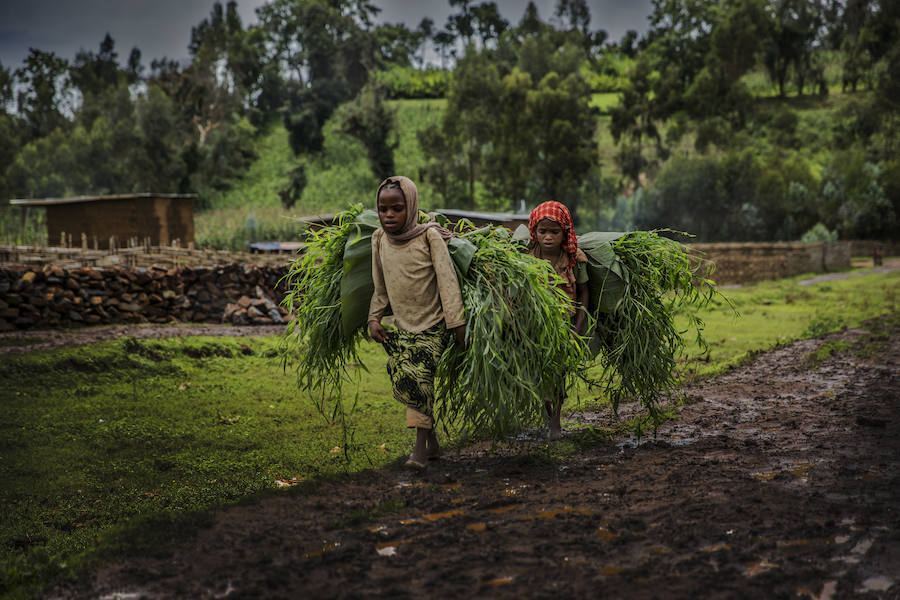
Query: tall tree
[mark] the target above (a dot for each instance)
(488, 22)
(575, 14)
(463, 22)
(444, 40)
(426, 31)
(43, 82)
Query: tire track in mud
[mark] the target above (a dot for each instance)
(781, 481)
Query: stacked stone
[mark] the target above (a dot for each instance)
(51, 296)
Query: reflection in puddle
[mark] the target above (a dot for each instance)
(500, 581)
(326, 548)
(387, 551)
(795, 543)
(605, 534)
(828, 590)
(444, 515)
(841, 539)
(879, 583)
(764, 475)
(397, 543)
(552, 514)
(432, 517)
(504, 509)
(862, 547)
(757, 568)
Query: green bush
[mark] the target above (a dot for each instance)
(407, 82)
(819, 233)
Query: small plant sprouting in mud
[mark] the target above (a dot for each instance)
(826, 351)
(820, 325)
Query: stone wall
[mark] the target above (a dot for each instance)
(51, 296)
(748, 262)
(864, 248)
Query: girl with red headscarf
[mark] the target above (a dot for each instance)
(553, 239)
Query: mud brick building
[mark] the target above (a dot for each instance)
(163, 218)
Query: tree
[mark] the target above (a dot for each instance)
(627, 45)
(92, 73)
(463, 23)
(368, 119)
(562, 126)
(323, 44)
(531, 23)
(795, 24)
(575, 14)
(717, 90)
(396, 44)
(635, 119)
(426, 32)
(44, 82)
(488, 22)
(679, 36)
(444, 40)
(6, 88)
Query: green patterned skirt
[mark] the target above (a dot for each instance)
(412, 362)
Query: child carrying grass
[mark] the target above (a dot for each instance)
(414, 276)
(553, 239)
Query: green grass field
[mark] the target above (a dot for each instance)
(118, 446)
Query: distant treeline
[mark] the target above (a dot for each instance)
(736, 120)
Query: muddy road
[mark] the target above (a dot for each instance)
(779, 480)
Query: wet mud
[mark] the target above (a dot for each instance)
(778, 480)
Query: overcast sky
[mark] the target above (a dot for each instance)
(163, 27)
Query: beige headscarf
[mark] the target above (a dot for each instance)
(412, 228)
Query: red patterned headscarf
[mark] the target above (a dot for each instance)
(558, 213)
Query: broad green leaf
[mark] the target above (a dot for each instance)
(461, 251)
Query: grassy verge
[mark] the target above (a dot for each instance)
(121, 446)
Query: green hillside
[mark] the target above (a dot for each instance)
(340, 175)
(252, 209)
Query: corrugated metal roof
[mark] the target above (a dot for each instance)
(78, 199)
(487, 216)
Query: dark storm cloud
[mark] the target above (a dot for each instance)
(158, 27)
(163, 27)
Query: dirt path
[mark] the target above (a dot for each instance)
(782, 480)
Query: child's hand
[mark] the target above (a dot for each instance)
(377, 332)
(460, 336)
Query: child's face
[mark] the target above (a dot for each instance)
(549, 235)
(392, 210)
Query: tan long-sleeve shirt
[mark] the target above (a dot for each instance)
(417, 280)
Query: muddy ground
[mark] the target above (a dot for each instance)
(779, 480)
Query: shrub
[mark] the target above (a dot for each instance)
(407, 82)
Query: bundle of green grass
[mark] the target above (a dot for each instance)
(519, 342)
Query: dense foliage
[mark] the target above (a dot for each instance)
(737, 120)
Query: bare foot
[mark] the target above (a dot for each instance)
(433, 448)
(415, 463)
